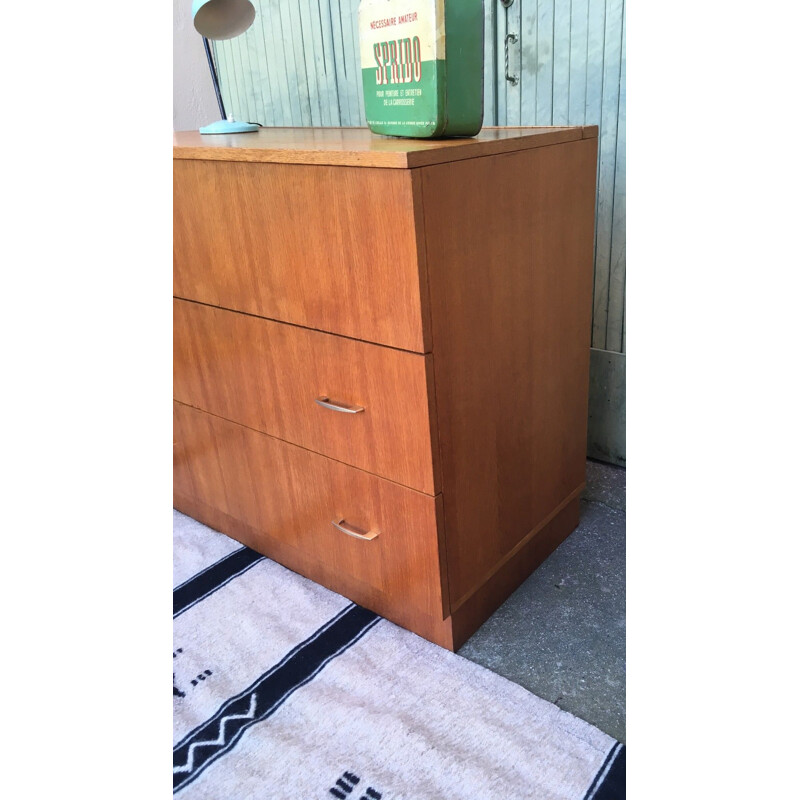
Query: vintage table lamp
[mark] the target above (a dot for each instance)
(222, 19)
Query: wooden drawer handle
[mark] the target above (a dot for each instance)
(326, 402)
(350, 530)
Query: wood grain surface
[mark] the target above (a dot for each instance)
(430, 627)
(510, 272)
(287, 498)
(451, 300)
(512, 571)
(359, 147)
(329, 248)
(266, 375)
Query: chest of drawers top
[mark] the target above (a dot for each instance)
(359, 147)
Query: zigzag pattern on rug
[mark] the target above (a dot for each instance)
(211, 740)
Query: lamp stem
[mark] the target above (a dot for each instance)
(214, 78)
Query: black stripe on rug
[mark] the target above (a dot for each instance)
(212, 578)
(609, 783)
(206, 743)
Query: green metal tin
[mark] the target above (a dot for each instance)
(422, 66)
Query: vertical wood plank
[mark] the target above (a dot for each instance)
(330, 68)
(593, 116)
(544, 62)
(242, 84)
(273, 69)
(256, 72)
(301, 79)
(260, 52)
(277, 62)
(314, 62)
(357, 80)
(529, 61)
(347, 10)
(595, 44)
(500, 29)
(578, 51)
(261, 72)
(232, 104)
(238, 108)
(489, 62)
(346, 112)
(561, 65)
(607, 167)
(514, 92)
(249, 110)
(273, 109)
(282, 13)
(615, 336)
(246, 83)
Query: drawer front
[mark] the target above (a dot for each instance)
(330, 248)
(270, 376)
(290, 498)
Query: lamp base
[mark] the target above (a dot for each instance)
(229, 126)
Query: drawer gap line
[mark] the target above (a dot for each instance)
(298, 325)
(307, 449)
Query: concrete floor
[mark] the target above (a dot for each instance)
(561, 635)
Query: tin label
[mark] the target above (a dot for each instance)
(402, 62)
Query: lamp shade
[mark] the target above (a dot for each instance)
(222, 19)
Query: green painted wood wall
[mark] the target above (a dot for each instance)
(299, 66)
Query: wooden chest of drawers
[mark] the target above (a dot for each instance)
(381, 356)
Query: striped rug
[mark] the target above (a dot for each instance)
(285, 690)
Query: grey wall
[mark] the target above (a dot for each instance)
(193, 101)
